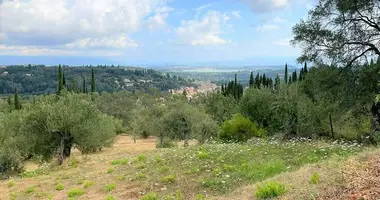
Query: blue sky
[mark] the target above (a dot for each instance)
(135, 32)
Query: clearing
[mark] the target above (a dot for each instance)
(211, 171)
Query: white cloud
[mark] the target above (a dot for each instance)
(267, 27)
(283, 42)
(119, 41)
(202, 7)
(261, 6)
(236, 14)
(49, 23)
(204, 31)
(157, 21)
(279, 20)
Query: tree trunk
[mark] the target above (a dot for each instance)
(331, 127)
(67, 146)
(61, 150)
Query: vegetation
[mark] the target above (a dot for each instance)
(74, 192)
(270, 190)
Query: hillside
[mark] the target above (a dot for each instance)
(43, 80)
(131, 170)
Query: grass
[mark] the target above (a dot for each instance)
(168, 179)
(75, 192)
(30, 189)
(270, 190)
(121, 161)
(59, 187)
(150, 196)
(88, 184)
(110, 170)
(109, 187)
(110, 197)
(314, 179)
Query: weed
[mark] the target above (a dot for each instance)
(110, 197)
(314, 179)
(30, 189)
(150, 196)
(11, 183)
(158, 159)
(121, 178)
(141, 158)
(109, 187)
(202, 154)
(59, 187)
(34, 173)
(74, 192)
(270, 190)
(110, 170)
(12, 196)
(200, 197)
(121, 161)
(73, 162)
(140, 176)
(88, 184)
(168, 179)
(178, 195)
(164, 169)
(80, 181)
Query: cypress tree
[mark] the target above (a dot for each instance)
(264, 81)
(294, 78)
(286, 73)
(222, 89)
(300, 78)
(63, 80)
(60, 80)
(251, 80)
(277, 82)
(84, 88)
(16, 100)
(9, 100)
(290, 80)
(305, 71)
(257, 80)
(93, 85)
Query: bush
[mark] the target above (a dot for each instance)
(59, 187)
(270, 190)
(74, 192)
(166, 143)
(239, 129)
(110, 170)
(30, 189)
(10, 183)
(121, 161)
(314, 179)
(110, 187)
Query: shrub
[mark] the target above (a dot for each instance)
(88, 184)
(121, 178)
(110, 187)
(200, 197)
(150, 196)
(166, 143)
(314, 179)
(270, 190)
(168, 179)
(141, 158)
(73, 162)
(10, 183)
(59, 187)
(239, 129)
(74, 192)
(110, 197)
(140, 176)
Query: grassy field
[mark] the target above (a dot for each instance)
(212, 171)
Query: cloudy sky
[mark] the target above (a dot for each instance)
(152, 31)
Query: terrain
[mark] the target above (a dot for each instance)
(129, 170)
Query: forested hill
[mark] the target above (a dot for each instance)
(43, 80)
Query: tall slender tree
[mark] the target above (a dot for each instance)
(251, 80)
(60, 80)
(277, 82)
(286, 73)
(257, 81)
(305, 68)
(63, 80)
(84, 87)
(16, 100)
(9, 100)
(93, 84)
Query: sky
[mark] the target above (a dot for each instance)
(152, 31)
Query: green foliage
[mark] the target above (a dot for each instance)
(270, 190)
(59, 187)
(75, 192)
(121, 178)
(239, 129)
(168, 179)
(141, 158)
(30, 189)
(88, 184)
(140, 176)
(110, 197)
(109, 187)
(200, 197)
(121, 161)
(150, 196)
(314, 179)
(11, 183)
(165, 143)
(110, 170)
